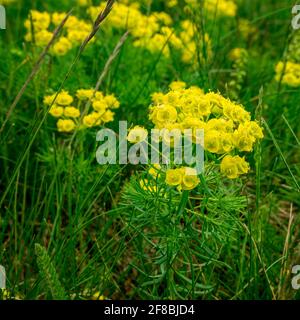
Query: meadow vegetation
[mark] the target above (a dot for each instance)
(71, 228)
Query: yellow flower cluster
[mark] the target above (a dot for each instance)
(39, 24)
(226, 8)
(234, 166)
(288, 73)
(222, 7)
(191, 46)
(227, 126)
(183, 178)
(154, 32)
(70, 116)
(129, 16)
(288, 70)
(149, 31)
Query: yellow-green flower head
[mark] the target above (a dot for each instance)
(236, 113)
(112, 101)
(254, 129)
(93, 119)
(64, 99)
(190, 179)
(226, 143)
(38, 20)
(84, 94)
(62, 46)
(42, 37)
(163, 18)
(234, 166)
(56, 111)
(246, 135)
(221, 7)
(288, 73)
(174, 177)
(100, 106)
(66, 125)
(158, 98)
(173, 98)
(72, 112)
(108, 116)
(217, 101)
(185, 178)
(212, 141)
(90, 120)
(220, 124)
(58, 17)
(218, 142)
(76, 37)
(243, 141)
(137, 134)
(48, 100)
(99, 96)
(166, 114)
(72, 22)
(200, 106)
